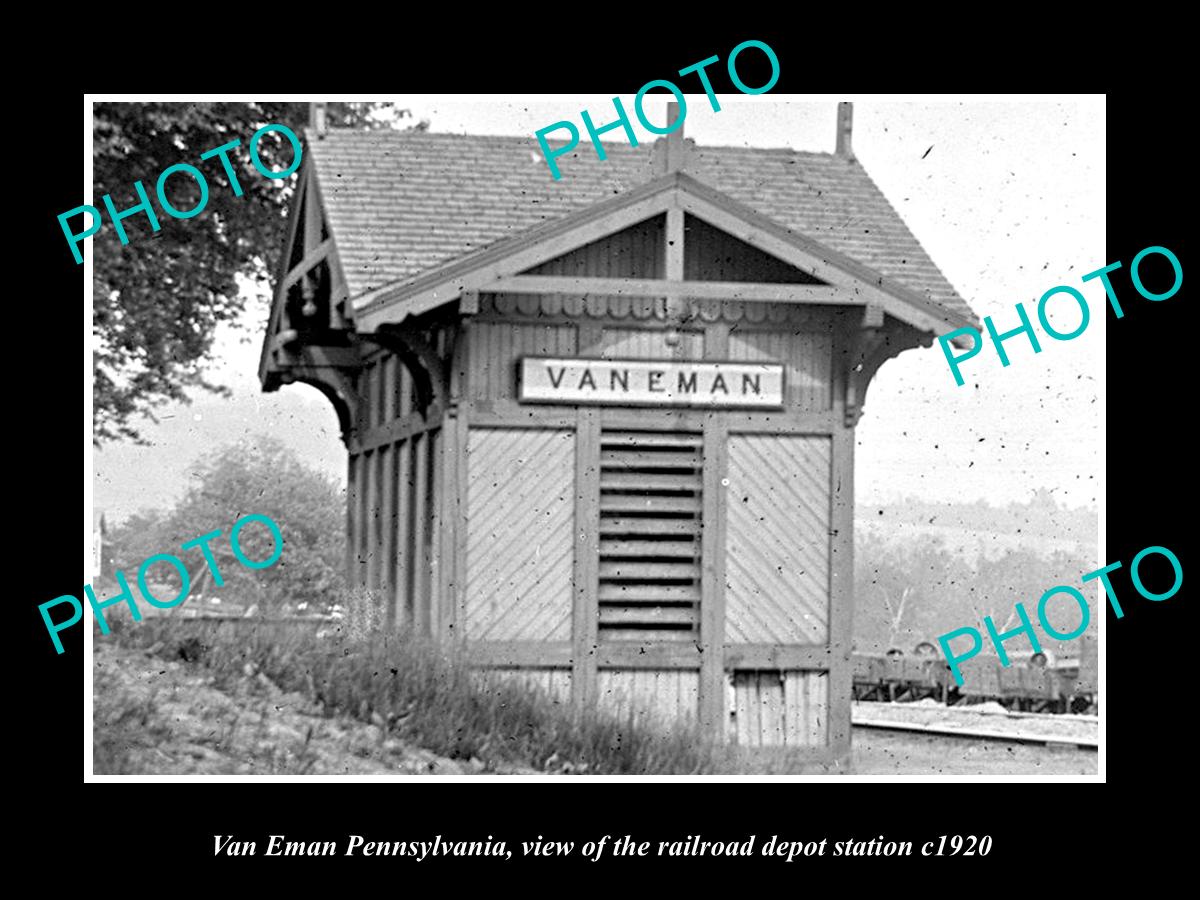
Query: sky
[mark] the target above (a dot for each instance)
(1007, 197)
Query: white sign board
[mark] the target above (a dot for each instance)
(642, 382)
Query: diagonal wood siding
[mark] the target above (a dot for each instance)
(520, 523)
(777, 543)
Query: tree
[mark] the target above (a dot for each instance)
(261, 476)
(906, 591)
(159, 299)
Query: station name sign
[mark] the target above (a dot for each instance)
(641, 382)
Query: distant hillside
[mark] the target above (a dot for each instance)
(979, 530)
(923, 569)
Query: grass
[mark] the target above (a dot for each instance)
(417, 692)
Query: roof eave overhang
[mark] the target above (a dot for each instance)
(393, 303)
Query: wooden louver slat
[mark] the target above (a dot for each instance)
(650, 522)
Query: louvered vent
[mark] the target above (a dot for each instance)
(650, 515)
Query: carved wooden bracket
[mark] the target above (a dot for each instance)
(334, 381)
(418, 355)
(870, 345)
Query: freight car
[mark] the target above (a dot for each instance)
(1035, 682)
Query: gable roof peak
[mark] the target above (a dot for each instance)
(403, 204)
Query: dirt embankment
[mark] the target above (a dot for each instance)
(158, 717)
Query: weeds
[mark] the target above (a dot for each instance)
(123, 728)
(416, 691)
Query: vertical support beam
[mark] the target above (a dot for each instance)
(402, 615)
(386, 508)
(841, 578)
(370, 519)
(437, 474)
(712, 580)
(363, 483)
(586, 538)
(460, 530)
(404, 386)
(351, 518)
(446, 496)
(389, 365)
(371, 491)
(420, 559)
(451, 499)
(386, 505)
(674, 244)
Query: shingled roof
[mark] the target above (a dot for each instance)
(401, 203)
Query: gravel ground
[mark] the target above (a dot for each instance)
(895, 753)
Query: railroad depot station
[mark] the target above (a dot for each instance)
(601, 429)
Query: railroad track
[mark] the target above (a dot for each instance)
(966, 724)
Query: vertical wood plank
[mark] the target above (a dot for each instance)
(589, 338)
(792, 710)
(689, 697)
(404, 495)
(773, 725)
(712, 579)
(742, 684)
(437, 518)
(818, 683)
(716, 340)
(387, 528)
(404, 389)
(785, 709)
(388, 404)
(362, 512)
(729, 728)
(371, 394)
(755, 705)
(371, 515)
(586, 538)
(421, 611)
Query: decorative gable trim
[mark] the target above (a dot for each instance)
(311, 243)
(495, 268)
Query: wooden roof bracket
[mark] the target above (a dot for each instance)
(422, 360)
(328, 370)
(868, 347)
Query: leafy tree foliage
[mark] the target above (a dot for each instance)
(257, 476)
(911, 590)
(159, 299)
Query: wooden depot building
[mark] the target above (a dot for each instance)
(602, 429)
